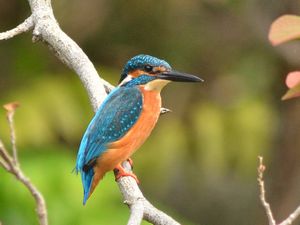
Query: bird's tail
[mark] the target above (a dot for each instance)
(90, 179)
(87, 179)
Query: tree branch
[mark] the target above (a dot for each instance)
(139, 206)
(261, 168)
(22, 28)
(47, 30)
(291, 218)
(4, 164)
(41, 209)
(5, 155)
(10, 111)
(11, 165)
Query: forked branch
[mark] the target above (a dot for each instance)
(140, 207)
(291, 218)
(11, 165)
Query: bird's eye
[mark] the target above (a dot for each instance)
(148, 68)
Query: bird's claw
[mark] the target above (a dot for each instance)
(121, 172)
(130, 161)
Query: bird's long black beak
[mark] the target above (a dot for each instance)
(178, 76)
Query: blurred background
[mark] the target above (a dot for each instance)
(199, 165)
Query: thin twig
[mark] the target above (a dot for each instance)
(4, 165)
(14, 169)
(5, 155)
(261, 168)
(22, 28)
(10, 112)
(292, 217)
(13, 137)
(11, 165)
(164, 111)
(41, 209)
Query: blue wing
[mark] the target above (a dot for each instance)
(117, 114)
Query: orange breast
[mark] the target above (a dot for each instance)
(122, 149)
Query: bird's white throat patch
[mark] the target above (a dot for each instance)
(156, 85)
(126, 80)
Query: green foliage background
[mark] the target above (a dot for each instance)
(199, 164)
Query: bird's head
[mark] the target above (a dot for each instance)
(151, 72)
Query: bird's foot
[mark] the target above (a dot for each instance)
(121, 172)
(130, 161)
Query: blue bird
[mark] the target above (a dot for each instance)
(125, 119)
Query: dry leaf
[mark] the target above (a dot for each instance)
(11, 107)
(284, 29)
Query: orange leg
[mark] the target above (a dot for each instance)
(120, 172)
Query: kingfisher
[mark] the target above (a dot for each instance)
(125, 119)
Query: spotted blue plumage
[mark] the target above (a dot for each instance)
(117, 114)
(139, 61)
